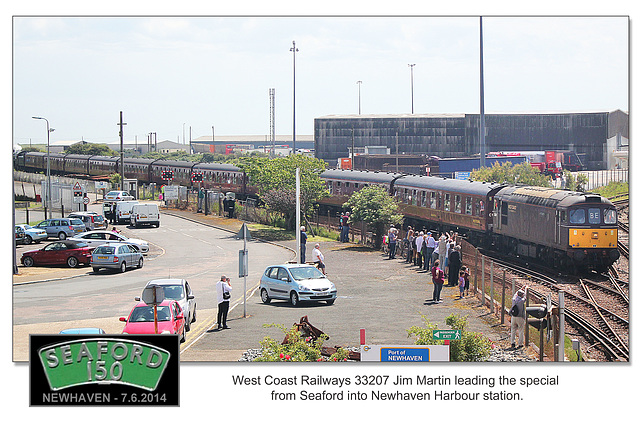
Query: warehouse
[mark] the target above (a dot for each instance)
(593, 135)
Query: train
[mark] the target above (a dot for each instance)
(568, 230)
(565, 229)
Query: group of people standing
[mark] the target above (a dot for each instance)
(441, 256)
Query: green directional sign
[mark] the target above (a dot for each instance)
(447, 334)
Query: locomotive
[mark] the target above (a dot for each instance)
(565, 229)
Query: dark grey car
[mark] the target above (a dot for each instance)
(62, 227)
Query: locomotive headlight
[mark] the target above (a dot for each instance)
(594, 235)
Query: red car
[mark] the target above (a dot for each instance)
(59, 253)
(170, 319)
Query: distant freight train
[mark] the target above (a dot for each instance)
(561, 228)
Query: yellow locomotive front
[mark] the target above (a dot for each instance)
(592, 228)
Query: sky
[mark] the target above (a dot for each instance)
(176, 74)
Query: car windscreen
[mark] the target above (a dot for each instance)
(106, 250)
(174, 292)
(76, 245)
(304, 273)
(145, 314)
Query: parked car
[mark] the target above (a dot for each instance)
(62, 227)
(118, 195)
(62, 252)
(19, 234)
(32, 234)
(100, 237)
(145, 213)
(296, 283)
(91, 220)
(180, 291)
(170, 319)
(118, 256)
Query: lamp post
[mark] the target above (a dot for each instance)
(48, 198)
(411, 66)
(294, 50)
(359, 83)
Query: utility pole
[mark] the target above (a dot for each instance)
(359, 83)
(272, 121)
(121, 124)
(411, 66)
(294, 50)
(483, 148)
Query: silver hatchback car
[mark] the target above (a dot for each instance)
(180, 291)
(296, 283)
(116, 256)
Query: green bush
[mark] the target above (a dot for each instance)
(473, 347)
(298, 348)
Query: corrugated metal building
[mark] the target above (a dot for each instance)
(457, 135)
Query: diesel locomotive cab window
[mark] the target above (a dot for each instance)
(577, 216)
(594, 216)
(610, 216)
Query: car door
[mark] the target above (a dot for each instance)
(179, 323)
(190, 302)
(134, 255)
(125, 255)
(281, 286)
(55, 253)
(52, 229)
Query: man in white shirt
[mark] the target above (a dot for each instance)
(419, 241)
(431, 245)
(224, 285)
(317, 258)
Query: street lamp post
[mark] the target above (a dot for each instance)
(411, 66)
(294, 50)
(48, 198)
(359, 83)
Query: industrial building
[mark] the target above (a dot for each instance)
(600, 138)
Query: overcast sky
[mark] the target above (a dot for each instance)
(171, 73)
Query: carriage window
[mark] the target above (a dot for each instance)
(457, 206)
(423, 202)
(594, 216)
(346, 184)
(610, 216)
(447, 202)
(577, 216)
(468, 206)
(433, 200)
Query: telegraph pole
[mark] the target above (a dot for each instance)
(294, 50)
(121, 124)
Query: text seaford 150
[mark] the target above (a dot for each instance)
(296, 283)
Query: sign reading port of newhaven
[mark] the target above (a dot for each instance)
(404, 353)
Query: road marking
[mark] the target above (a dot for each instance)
(208, 323)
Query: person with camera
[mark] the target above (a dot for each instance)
(223, 289)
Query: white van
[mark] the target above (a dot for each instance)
(145, 213)
(123, 210)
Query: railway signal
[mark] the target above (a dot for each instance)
(539, 314)
(167, 175)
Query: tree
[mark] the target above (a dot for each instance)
(276, 183)
(522, 173)
(375, 207)
(575, 183)
(89, 148)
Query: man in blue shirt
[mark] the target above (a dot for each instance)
(303, 244)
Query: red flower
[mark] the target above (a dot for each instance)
(281, 356)
(287, 357)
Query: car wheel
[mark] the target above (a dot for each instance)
(62, 235)
(295, 299)
(96, 269)
(264, 295)
(140, 262)
(193, 318)
(27, 261)
(28, 240)
(72, 262)
(123, 267)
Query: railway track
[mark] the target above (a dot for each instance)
(597, 311)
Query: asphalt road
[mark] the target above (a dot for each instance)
(180, 248)
(384, 297)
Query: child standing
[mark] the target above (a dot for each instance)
(465, 270)
(461, 283)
